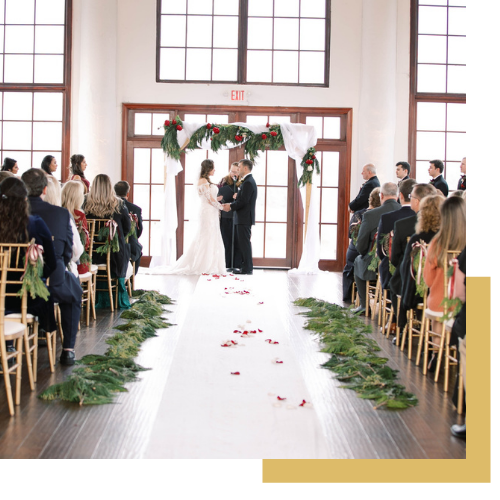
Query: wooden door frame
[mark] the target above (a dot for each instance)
(343, 145)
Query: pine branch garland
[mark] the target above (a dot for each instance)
(353, 357)
(99, 377)
(113, 246)
(32, 279)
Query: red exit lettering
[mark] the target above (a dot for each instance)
(237, 95)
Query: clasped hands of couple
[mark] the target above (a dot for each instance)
(226, 206)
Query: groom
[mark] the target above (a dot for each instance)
(244, 218)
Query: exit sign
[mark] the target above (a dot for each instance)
(237, 95)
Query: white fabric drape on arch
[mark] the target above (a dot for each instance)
(298, 138)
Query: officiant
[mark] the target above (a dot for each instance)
(228, 187)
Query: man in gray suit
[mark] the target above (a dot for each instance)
(366, 240)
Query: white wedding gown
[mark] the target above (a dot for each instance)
(206, 253)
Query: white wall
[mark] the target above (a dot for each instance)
(114, 57)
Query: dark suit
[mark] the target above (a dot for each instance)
(399, 184)
(366, 238)
(386, 225)
(244, 218)
(64, 286)
(440, 183)
(227, 227)
(135, 246)
(461, 183)
(361, 201)
(403, 229)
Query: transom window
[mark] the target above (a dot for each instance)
(282, 42)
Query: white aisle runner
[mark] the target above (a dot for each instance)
(206, 412)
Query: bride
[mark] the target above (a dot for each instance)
(206, 252)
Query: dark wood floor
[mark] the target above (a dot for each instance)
(123, 430)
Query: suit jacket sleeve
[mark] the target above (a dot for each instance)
(243, 197)
(68, 241)
(398, 246)
(139, 222)
(362, 199)
(364, 236)
(44, 238)
(380, 235)
(125, 220)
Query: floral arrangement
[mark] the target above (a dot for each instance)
(221, 135)
(109, 234)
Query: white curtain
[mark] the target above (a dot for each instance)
(298, 139)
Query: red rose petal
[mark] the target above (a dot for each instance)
(237, 331)
(281, 399)
(303, 402)
(260, 303)
(279, 362)
(235, 373)
(260, 331)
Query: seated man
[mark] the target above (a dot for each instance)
(386, 227)
(122, 189)
(366, 240)
(64, 287)
(369, 174)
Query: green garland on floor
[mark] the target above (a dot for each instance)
(353, 357)
(100, 377)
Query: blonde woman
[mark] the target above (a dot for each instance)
(451, 236)
(72, 199)
(53, 195)
(102, 203)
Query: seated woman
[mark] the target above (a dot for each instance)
(17, 226)
(352, 253)
(77, 169)
(451, 236)
(102, 203)
(10, 165)
(428, 223)
(49, 164)
(72, 200)
(53, 197)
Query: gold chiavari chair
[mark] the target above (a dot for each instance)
(429, 343)
(88, 296)
(452, 360)
(10, 330)
(15, 267)
(95, 225)
(372, 297)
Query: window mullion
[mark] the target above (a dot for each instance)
(242, 41)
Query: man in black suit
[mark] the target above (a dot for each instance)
(64, 287)
(404, 229)
(366, 240)
(227, 189)
(402, 171)
(436, 168)
(244, 217)
(461, 182)
(386, 227)
(122, 189)
(369, 174)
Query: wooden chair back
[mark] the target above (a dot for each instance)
(14, 260)
(95, 226)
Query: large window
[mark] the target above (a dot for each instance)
(437, 79)
(35, 41)
(284, 42)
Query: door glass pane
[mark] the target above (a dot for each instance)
(328, 242)
(48, 106)
(259, 170)
(17, 135)
(456, 146)
(158, 121)
(452, 171)
(457, 80)
(277, 168)
(276, 204)
(430, 145)
(156, 234)
(145, 237)
(275, 241)
(431, 49)
(50, 11)
(457, 21)
(192, 165)
(17, 106)
(157, 166)
(317, 123)
(49, 69)
(47, 135)
(456, 117)
(332, 127)
(431, 78)
(49, 40)
(141, 166)
(19, 39)
(431, 116)
(18, 69)
(260, 204)
(189, 229)
(20, 11)
(141, 198)
(257, 240)
(329, 205)
(142, 124)
(330, 168)
(156, 201)
(432, 20)
(457, 50)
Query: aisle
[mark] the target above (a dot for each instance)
(205, 412)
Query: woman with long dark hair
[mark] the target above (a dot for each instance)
(10, 165)
(77, 169)
(49, 164)
(18, 226)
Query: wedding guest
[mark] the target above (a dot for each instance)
(122, 190)
(366, 240)
(352, 253)
(53, 197)
(404, 229)
(228, 186)
(5, 174)
(369, 174)
(461, 182)
(402, 171)
(49, 164)
(64, 286)
(77, 169)
(428, 224)
(10, 165)
(72, 200)
(386, 227)
(436, 168)
(102, 203)
(451, 236)
(17, 226)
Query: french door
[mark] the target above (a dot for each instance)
(278, 233)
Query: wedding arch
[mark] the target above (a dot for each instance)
(299, 141)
